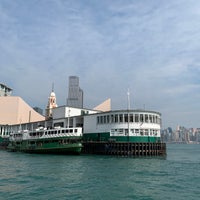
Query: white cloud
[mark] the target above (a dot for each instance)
(149, 47)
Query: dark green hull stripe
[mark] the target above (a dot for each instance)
(106, 137)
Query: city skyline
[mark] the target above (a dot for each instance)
(147, 47)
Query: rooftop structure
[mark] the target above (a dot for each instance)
(4, 90)
(105, 106)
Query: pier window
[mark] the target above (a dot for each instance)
(98, 120)
(104, 119)
(108, 118)
(146, 118)
(156, 119)
(112, 118)
(136, 118)
(125, 117)
(153, 118)
(101, 119)
(132, 131)
(141, 118)
(136, 131)
(131, 117)
(141, 132)
(120, 118)
(150, 119)
(116, 118)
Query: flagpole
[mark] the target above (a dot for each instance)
(128, 108)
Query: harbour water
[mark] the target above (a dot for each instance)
(30, 176)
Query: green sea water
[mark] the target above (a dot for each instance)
(30, 176)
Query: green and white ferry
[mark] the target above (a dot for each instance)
(47, 141)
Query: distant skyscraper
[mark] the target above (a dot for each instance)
(75, 94)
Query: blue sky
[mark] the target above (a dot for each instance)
(149, 46)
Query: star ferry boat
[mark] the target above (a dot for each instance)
(47, 141)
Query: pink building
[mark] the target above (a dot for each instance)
(14, 110)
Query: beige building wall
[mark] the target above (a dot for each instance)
(105, 106)
(14, 110)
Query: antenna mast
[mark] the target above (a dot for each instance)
(52, 87)
(128, 98)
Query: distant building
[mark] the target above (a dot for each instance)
(4, 90)
(75, 93)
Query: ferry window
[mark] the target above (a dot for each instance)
(141, 118)
(131, 117)
(116, 118)
(136, 118)
(75, 130)
(146, 132)
(125, 117)
(120, 118)
(136, 131)
(63, 131)
(71, 130)
(146, 118)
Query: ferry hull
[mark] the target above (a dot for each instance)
(69, 149)
(3, 143)
(48, 146)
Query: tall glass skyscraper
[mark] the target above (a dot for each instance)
(75, 94)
